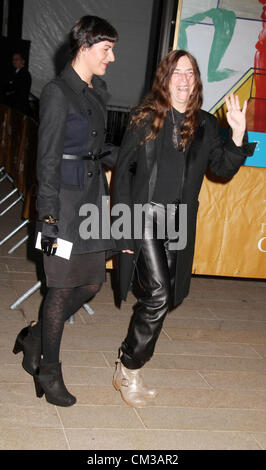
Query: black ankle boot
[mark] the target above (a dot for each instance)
(49, 381)
(31, 346)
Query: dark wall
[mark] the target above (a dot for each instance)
(13, 42)
(15, 18)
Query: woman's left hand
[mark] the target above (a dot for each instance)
(236, 118)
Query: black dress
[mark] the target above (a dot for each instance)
(79, 270)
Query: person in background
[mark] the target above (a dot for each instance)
(170, 142)
(18, 86)
(71, 151)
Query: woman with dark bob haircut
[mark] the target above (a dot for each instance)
(71, 150)
(165, 153)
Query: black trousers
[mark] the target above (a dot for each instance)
(155, 270)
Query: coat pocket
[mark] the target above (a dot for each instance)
(72, 173)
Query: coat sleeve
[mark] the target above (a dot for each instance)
(111, 158)
(53, 115)
(226, 158)
(124, 172)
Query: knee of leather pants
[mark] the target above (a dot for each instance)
(153, 275)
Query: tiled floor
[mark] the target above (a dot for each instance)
(209, 366)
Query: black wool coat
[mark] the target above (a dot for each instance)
(206, 151)
(73, 121)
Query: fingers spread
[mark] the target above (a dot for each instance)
(233, 103)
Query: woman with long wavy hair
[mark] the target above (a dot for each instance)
(167, 148)
(158, 102)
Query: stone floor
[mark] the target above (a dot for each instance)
(209, 367)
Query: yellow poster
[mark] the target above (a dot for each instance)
(231, 229)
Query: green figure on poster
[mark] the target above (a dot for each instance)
(224, 23)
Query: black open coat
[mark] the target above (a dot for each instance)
(206, 151)
(73, 121)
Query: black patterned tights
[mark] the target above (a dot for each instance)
(59, 305)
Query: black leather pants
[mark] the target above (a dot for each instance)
(155, 271)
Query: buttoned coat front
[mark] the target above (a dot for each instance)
(206, 151)
(73, 121)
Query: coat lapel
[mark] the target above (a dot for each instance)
(152, 165)
(100, 97)
(192, 151)
(98, 93)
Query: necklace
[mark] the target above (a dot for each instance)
(175, 131)
(176, 138)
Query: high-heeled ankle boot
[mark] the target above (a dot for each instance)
(49, 381)
(130, 384)
(31, 347)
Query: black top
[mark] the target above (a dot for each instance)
(171, 162)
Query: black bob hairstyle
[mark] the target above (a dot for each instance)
(90, 30)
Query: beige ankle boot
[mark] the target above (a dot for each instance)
(130, 384)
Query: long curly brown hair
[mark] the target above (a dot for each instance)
(158, 102)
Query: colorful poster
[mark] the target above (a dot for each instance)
(228, 39)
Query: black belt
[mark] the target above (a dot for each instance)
(86, 157)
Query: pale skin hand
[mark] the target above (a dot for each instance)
(128, 251)
(236, 118)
